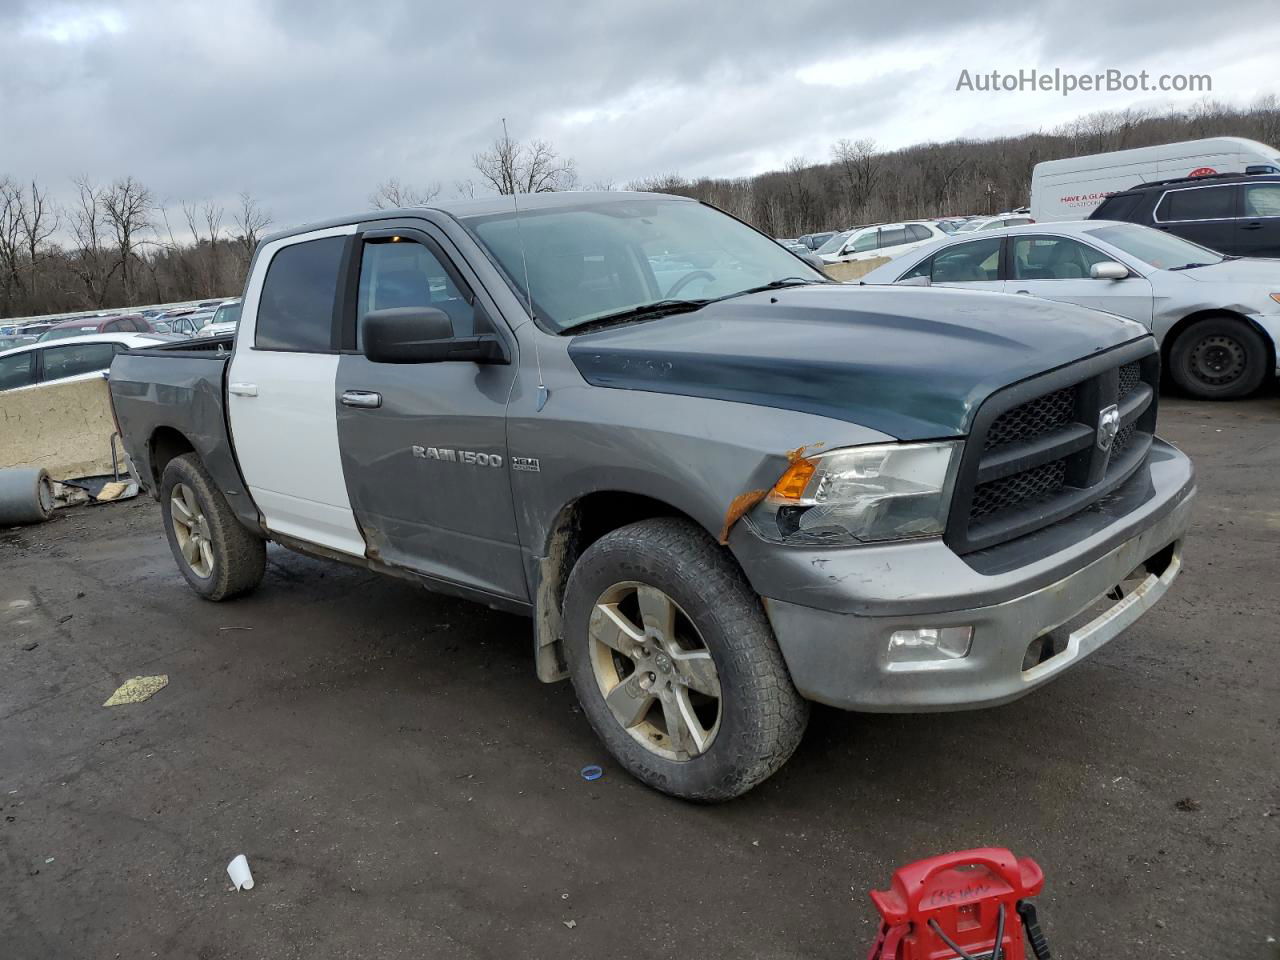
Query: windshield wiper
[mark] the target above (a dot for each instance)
(771, 285)
(645, 311)
(1190, 266)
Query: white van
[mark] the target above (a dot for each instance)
(1071, 188)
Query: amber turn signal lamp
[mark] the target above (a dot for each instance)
(790, 485)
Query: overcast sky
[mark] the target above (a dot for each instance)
(308, 104)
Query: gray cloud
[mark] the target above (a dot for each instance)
(309, 104)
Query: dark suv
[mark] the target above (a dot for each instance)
(1234, 213)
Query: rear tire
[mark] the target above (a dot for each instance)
(697, 652)
(217, 555)
(1218, 358)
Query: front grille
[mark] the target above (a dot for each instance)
(1035, 456)
(1020, 488)
(1033, 418)
(1123, 439)
(1130, 377)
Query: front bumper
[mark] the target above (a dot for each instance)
(1269, 324)
(837, 650)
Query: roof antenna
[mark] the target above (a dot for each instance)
(543, 392)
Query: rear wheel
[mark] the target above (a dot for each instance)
(1218, 358)
(217, 555)
(675, 664)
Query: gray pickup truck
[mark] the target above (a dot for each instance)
(721, 485)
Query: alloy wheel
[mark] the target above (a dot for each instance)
(656, 675)
(191, 530)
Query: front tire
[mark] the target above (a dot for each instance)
(217, 555)
(675, 664)
(1218, 358)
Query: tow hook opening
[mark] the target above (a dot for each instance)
(1055, 640)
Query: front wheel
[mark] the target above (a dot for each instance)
(217, 555)
(1218, 358)
(675, 664)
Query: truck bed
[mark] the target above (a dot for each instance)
(170, 399)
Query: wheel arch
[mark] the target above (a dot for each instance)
(578, 524)
(1181, 327)
(164, 444)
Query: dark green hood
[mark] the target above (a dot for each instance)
(914, 363)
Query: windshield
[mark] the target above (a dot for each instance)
(58, 333)
(227, 313)
(834, 244)
(606, 257)
(1161, 250)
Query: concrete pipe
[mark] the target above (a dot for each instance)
(26, 496)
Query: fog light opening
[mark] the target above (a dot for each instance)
(930, 643)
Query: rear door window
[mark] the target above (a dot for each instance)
(75, 359)
(893, 237)
(16, 370)
(1198, 203)
(295, 312)
(976, 261)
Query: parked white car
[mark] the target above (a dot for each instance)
(884, 240)
(72, 358)
(1217, 318)
(994, 223)
(227, 317)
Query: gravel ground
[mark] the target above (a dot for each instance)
(404, 787)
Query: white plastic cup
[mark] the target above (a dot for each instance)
(238, 870)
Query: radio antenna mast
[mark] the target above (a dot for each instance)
(543, 392)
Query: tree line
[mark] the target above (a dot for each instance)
(860, 183)
(111, 245)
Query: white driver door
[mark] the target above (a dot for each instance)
(281, 387)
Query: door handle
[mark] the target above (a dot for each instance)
(243, 389)
(361, 398)
(1255, 225)
(1027, 292)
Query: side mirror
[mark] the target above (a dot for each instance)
(915, 282)
(423, 335)
(1108, 270)
(813, 260)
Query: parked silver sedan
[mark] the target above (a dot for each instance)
(1217, 318)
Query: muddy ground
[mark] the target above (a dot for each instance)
(404, 787)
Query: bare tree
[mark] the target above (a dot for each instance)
(93, 263)
(858, 168)
(250, 221)
(391, 193)
(127, 208)
(12, 205)
(1265, 113)
(512, 167)
(205, 223)
(39, 222)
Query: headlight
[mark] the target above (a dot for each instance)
(892, 491)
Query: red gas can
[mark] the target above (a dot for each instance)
(959, 905)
